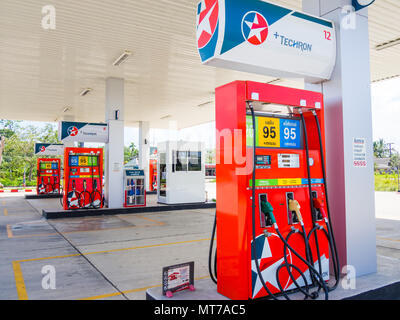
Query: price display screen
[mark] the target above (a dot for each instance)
(278, 133)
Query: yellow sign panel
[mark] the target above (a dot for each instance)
(269, 132)
(83, 161)
(289, 182)
(48, 165)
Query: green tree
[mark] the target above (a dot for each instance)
(210, 156)
(18, 154)
(8, 127)
(380, 150)
(130, 153)
(394, 162)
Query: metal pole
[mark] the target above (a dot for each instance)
(24, 179)
(390, 148)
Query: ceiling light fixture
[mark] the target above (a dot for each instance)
(274, 81)
(66, 109)
(386, 78)
(387, 44)
(166, 117)
(204, 104)
(122, 58)
(85, 92)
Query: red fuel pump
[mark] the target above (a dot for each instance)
(153, 175)
(48, 176)
(274, 234)
(83, 178)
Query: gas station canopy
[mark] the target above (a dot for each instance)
(43, 72)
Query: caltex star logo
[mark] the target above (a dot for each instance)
(42, 149)
(207, 20)
(72, 131)
(254, 28)
(268, 264)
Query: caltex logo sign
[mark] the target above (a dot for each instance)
(72, 131)
(207, 21)
(83, 132)
(364, 3)
(360, 4)
(254, 28)
(47, 149)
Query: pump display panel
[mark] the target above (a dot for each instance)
(275, 132)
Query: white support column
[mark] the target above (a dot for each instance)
(347, 116)
(144, 149)
(114, 150)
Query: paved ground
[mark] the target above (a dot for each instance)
(116, 257)
(120, 257)
(388, 231)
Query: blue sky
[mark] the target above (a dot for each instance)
(385, 118)
(386, 111)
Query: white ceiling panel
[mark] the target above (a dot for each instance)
(43, 71)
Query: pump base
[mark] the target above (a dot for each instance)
(105, 211)
(372, 289)
(43, 196)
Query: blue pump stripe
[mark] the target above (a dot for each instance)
(313, 181)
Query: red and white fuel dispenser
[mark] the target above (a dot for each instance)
(273, 229)
(48, 176)
(83, 178)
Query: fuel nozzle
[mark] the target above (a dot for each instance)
(294, 206)
(268, 210)
(320, 205)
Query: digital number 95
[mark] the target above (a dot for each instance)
(290, 133)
